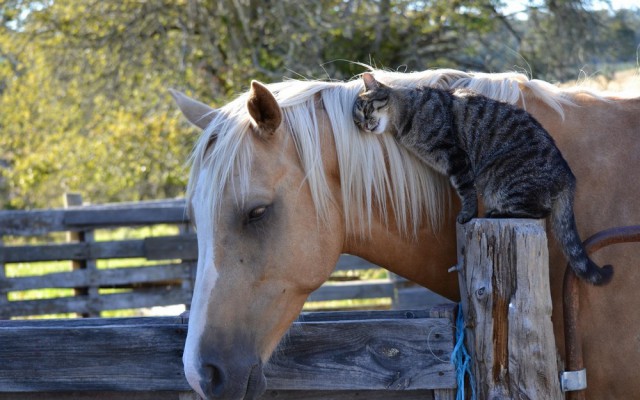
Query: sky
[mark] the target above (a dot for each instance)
(520, 5)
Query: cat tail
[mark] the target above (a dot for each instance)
(564, 227)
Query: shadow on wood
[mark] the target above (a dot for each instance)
(379, 354)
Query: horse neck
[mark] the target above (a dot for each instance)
(424, 260)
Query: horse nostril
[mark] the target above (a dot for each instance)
(216, 382)
(213, 381)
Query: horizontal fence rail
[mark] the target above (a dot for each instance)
(378, 352)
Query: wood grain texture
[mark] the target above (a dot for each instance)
(507, 307)
(270, 394)
(115, 277)
(97, 395)
(92, 358)
(39, 222)
(184, 247)
(137, 298)
(371, 354)
(353, 290)
(126, 355)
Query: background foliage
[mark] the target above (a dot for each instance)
(83, 99)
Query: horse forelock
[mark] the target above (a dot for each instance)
(223, 150)
(377, 175)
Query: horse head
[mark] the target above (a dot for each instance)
(262, 247)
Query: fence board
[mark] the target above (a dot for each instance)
(74, 251)
(270, 394)
(113, 217)
(92, 358)
(184, 247)
(31, 223)
(116, 277)
(373, 354)
(138, 298)
(349, 262)
(152, 248)
(353, 290)
(382, 354)
(97, 395)
(40, 222)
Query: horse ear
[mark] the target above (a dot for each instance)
(199, 114)
(263, 108)
(370, 83)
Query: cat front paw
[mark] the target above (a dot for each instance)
(465, 216)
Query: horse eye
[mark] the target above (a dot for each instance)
(257, 213)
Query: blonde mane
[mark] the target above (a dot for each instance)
(377, 175)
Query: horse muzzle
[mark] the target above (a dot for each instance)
(245, 381)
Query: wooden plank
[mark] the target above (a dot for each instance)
(89, 322)
(412, 297)
(138, 298)
(104, 278)
(446, 311)
(92, 358)
(350, 290)
(506, 301)
(346, 395)
(40, 222)
(345, 355)
(337, 395)
(350, 262)
(75, 251)
(183, 247)
(94, 395)
(126, 216)
(32, 222)
(152, 248)
(442, 311)
(71, 200)
(164, 203)
(270, 394)
(373, 354)
(3, 292)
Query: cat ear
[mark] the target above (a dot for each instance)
(263, 108)
(370, 83)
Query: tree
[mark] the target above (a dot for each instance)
(83, 85)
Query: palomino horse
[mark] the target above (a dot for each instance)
(282, 183)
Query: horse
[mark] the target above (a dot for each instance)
(282, 183)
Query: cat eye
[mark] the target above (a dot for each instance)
(380, 103)
(257, 213)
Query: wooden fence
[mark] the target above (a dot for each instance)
(503, 266)
(165, 269)
(335, 355)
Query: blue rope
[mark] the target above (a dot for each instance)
(462, 360)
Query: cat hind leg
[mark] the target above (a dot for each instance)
(493, 213)
(526, 208)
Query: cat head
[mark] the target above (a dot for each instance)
(371, 109)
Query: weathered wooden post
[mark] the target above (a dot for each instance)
(4, 294)
(92, 294)
(504, 284)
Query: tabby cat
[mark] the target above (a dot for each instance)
(483, 146)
